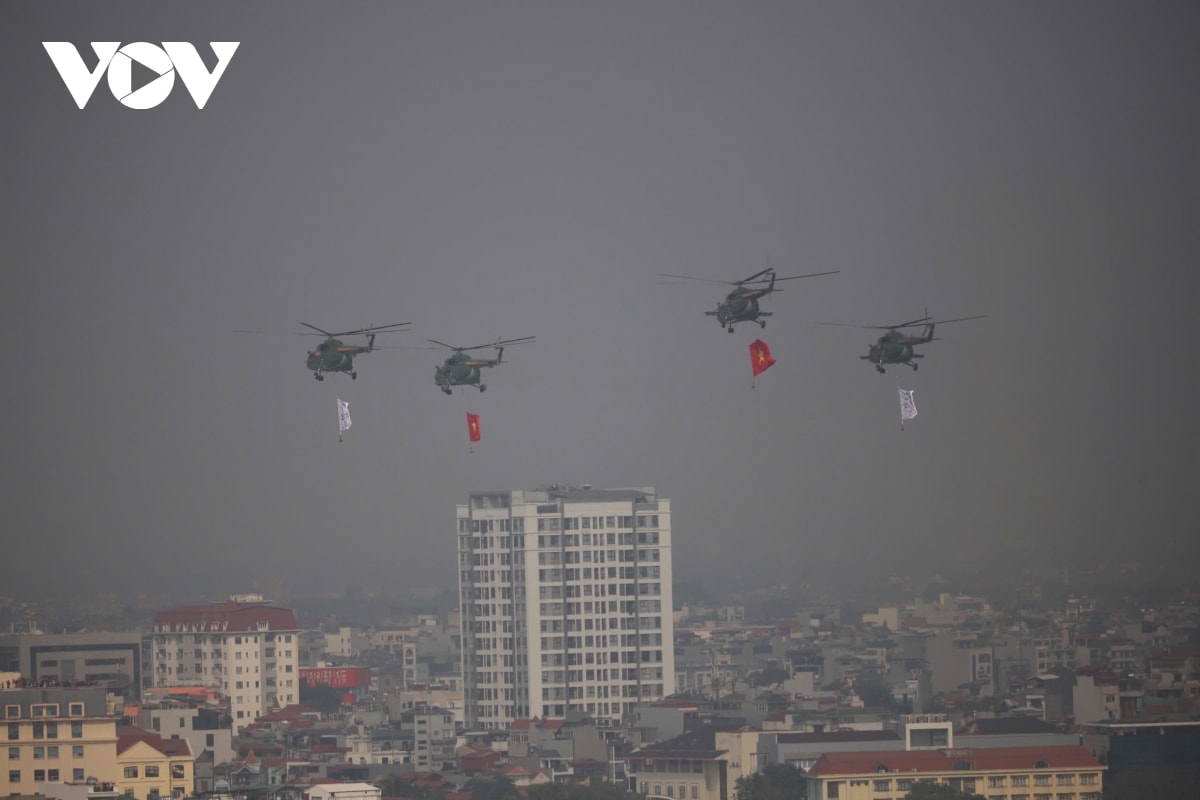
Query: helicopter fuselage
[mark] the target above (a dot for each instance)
(895, 347)
(461, 370)
(741, 305)
(333, 355)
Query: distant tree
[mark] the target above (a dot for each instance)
(775, 782)
(769, 676)
(597, 790)
(322, 697)
(1154, 783)
(939, 791)
(494, 787)
(395, 786)
(874, 692)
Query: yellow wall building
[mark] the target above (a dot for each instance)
(55, 734)
(153, 767)
(1062, 772)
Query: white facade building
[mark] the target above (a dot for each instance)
(246, 649)
(566, 603)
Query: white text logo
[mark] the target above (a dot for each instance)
(163, 62)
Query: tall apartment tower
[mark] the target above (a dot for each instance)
(246, 649)
(565, 596)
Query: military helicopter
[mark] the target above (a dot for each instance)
(895, 346)
(462, 369)
(332, 355)
(741, 304)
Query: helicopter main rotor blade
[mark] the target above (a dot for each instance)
(390, 328)
(911, 324)
(443, 344)
(693, 278)
(756, 277)
(959, 319)
(810, 275)
(504, 342)
(318, 330)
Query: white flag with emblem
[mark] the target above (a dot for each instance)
(343, 415)
(908, 408)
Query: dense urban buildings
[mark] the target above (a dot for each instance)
(566, 602)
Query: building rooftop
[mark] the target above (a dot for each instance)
(947, 760)
(228, 617)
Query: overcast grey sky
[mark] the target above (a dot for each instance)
(505, 169)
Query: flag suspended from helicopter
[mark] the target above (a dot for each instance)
(473, 427)
(760, 358)
(908, 407)
(343, 417)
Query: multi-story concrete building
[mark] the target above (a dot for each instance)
(57, 734)
(566, 603)
(1063, 772)
(245, 648)
(109, 659)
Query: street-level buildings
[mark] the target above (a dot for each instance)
(245, 648)
(566, 603)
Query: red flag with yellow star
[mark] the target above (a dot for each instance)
(760, 357)
(473, 426)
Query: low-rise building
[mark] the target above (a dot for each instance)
(1067, 772)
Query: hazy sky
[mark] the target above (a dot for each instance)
(506, 169)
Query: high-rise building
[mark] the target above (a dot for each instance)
(565, 596)
(246, 649)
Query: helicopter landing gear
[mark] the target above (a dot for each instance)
(731, 329)
(353, 376)
(879, 368)
(914, 366)
(318, 376)
(483, 387)
(446, 390)
(762, 323)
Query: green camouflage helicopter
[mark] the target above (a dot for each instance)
(741, 304)
(462, 369)
(895, 346)
(333, 355)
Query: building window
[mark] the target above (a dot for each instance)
(52, 775)
(76, 730)
(76, 709)
(52, 751)
(14, 752)
(76, 751)
(177, 771)
(39, 752)
(883, 786)
(131, 772)
(14, 776)
(77, 774)
(14, 731)
(12, 712)
(39, 774)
